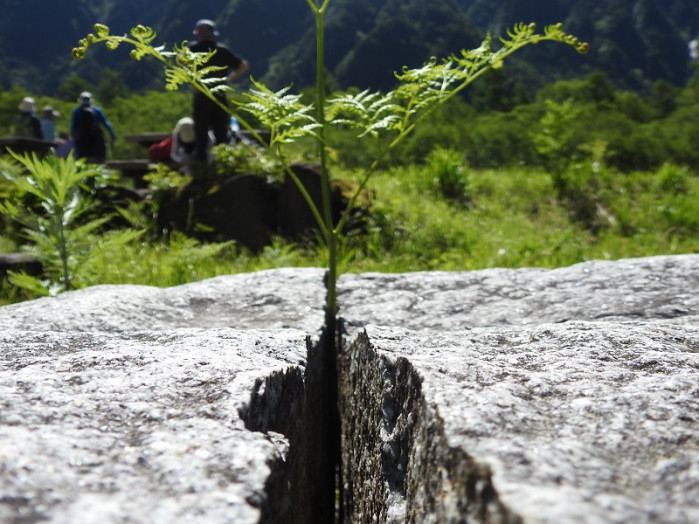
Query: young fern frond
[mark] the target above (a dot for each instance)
(176, 77)
(365, 111)
(421, 90)
(141, 38)
(182, 66)
(284, 114)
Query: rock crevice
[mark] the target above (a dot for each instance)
(397, 462)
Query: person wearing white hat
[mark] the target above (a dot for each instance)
(179, 146)
(28, 124)
(207, 114)
(184, 142)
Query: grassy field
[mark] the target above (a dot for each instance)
(445, 216)
(515, 218)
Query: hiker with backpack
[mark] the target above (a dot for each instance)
(207, 114)
(86, 123)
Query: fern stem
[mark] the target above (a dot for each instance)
(330, 232)
(63, 248)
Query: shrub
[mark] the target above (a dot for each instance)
(52, 201)
(673, 179)
(449, 174)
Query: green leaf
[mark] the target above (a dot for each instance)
(30, 283)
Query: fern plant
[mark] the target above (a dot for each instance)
(50, 199)
(372, 114)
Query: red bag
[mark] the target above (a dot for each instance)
(161, 151)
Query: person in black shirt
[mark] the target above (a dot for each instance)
(207, 115)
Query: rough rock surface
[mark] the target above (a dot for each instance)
(663, 287)
(182, 325)
(283, 298)
(575, 422)
(145, 427)
(567, 395)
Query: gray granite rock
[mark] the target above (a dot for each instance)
(663, 287)
(529, 395)
(140, 427)
(579, 422)
(264, 300)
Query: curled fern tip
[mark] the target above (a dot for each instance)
(101, 30)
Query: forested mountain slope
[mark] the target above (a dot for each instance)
(635, 42)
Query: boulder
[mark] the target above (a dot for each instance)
(251, 209)
(502, 395)
(295, 217)
(241, 208)
(273, 299)
(523, 395)
(165, 405)
(661, 288)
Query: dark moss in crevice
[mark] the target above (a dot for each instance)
(377, 402)
(277, 404)
(446, 483)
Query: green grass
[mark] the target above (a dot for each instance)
(510, 218)
(514, 219)
(186, 260)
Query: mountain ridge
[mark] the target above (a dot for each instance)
(634, 42)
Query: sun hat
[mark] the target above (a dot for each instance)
(85, 97)
(205, 22)
(185, 130)
(49, 112)
(28, 105)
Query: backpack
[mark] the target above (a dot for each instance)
(86, 125)
(160, 151)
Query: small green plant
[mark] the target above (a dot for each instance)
(580, 187)
(554, 136)
(51, 200)
(392, 116)
(673, 179)
(289, 119)
(245, 158)
(449, 173)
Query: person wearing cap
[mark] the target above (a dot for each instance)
(48, 127)
(207, 114)
(86, 123)
(28, 124)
